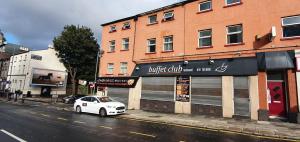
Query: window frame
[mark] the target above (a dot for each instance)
(171, 42)
(205, 37)
(112, 45)
(113, 28)
(124, 44)
(170, 18)
(234, 33)
(226, 2)
(203, 2)
(149, 45)
(110, 67)
(287, 25)
(149, 19)
(123, 67)
(126, 26)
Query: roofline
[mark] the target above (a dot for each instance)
(135, 17)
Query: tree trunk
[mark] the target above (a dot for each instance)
(73, 86)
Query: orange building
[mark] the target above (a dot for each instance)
(232, 58)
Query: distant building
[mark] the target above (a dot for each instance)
(39, 72)
(4, 64)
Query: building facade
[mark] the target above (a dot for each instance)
(38, 72)
(222, 58)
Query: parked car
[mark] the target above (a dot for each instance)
(71, 99)
(99, 105)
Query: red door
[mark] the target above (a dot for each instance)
(276, 99)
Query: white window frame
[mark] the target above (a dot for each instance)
(226, 2)
(113, 28)
(110, 68)
(149, 19)
(286, 25)
(125, 43)
(170, 42)
(126, 25)
(233, 33)
(112, 45)
(204, 37)
(208, 1)
(124, 68)
(167, 17)
(149, 44)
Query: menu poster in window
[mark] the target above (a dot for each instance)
(183, 89)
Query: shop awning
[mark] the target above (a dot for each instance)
(275, 60)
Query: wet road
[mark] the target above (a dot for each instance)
(37, 123)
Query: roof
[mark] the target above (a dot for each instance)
(150, 12)
(13, 49)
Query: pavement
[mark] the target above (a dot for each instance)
(258, 129)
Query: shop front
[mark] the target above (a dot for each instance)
(224, 87)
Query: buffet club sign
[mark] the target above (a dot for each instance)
(117, 82)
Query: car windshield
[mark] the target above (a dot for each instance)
(105, 99)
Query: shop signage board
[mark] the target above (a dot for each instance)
(222, 67)
(183, 88)
(117, 82)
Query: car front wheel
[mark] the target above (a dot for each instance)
(102, 112)
(78, 109)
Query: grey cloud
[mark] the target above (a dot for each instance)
(36, 22)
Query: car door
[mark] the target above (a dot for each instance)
(85, 104)
(94, 105)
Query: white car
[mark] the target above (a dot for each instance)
(99, 105)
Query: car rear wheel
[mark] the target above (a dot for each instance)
(78, 109)
(102, 112)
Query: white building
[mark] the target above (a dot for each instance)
(39, 72)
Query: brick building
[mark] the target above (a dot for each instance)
(232, 58)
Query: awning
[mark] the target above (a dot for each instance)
(275, 60)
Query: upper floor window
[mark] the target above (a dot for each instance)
(125, 44)
(205, 39)
(168, 43)
(112, 46)
(151, 46)
(204, 6)
(168, 16)
(123, 68)
(126, 26)
(231, 2)
(291, 26)
(110, 68)
(152, 19)
(113, 28)
(234, 34)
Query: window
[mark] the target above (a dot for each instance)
(205, 39)
(113, 28)
(126, 26)
(23, 69)
(204, 6)
(112, 46)
(168, 43)
(151, 46)
(168, 16)
(25, 57)
(234, 34)
(241, 96)
(152, 19)
(123, 68)
(207, 90)
(230, 2)
(291, 26)
(158, 88)
(125, 44)
(110, 68)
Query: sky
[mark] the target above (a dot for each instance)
(34, 23)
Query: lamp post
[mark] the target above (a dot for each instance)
(99, 55)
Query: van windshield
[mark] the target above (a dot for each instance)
(105, 99)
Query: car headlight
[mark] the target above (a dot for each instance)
(111, 106)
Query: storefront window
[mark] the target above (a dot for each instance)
(207, 90)
(158, 88)
(241, 96)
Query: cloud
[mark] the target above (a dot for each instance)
(36, 22)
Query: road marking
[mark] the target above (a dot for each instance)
(105, 127)
(79, 122)
(13, 136)
(45, 115)
(59, 118)
(142, 134)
